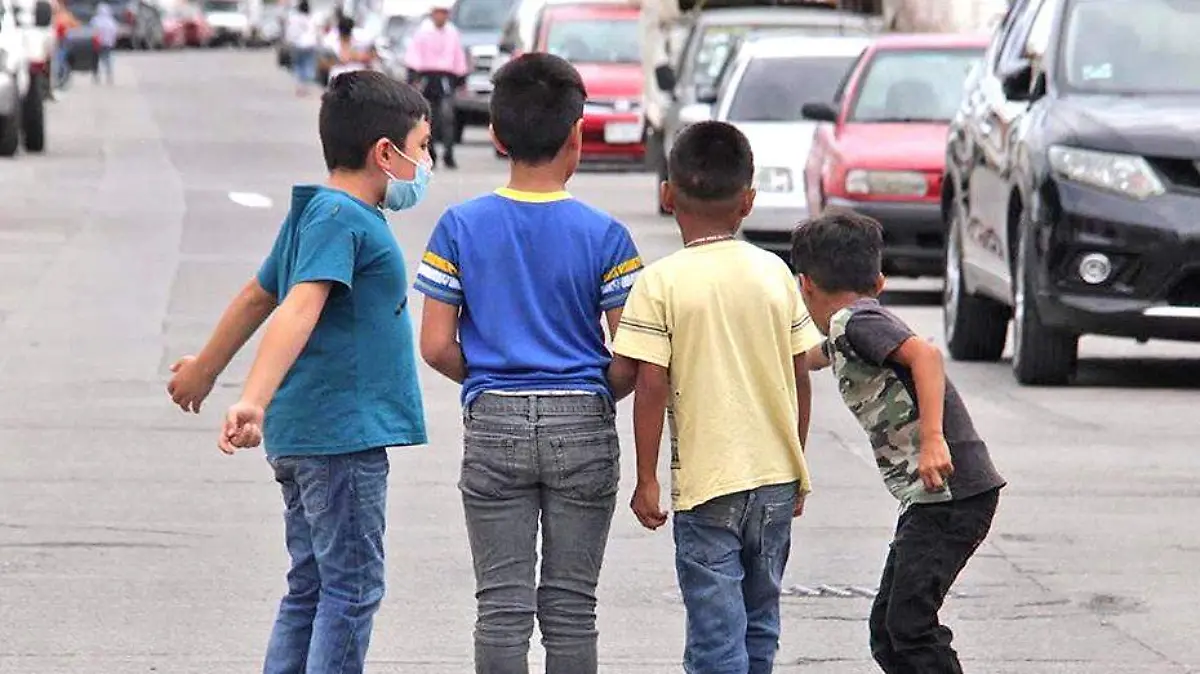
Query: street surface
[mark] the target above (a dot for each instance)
(128, 543)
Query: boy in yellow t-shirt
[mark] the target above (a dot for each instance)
(719, 331)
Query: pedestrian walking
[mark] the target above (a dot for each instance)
(334, 383)
(302, 36)
(516, 284)
(105, 28)
(720, 332)
(925, 444)
(437, 64)
(64, 23)
(349, 56)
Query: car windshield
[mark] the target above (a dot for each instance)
(1132, 47)
(913, 85)
(774, 89)
(718, 42)
(595, 40)
(480, 14)
(222, 6)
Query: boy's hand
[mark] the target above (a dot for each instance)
(799, 505)
(934, 463)
(242, 429)
(645, 504)
(191, 384)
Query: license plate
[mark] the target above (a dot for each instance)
(479, 82)
(622, 133)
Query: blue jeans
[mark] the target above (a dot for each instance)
(730, 554)
(304, 65)
(533, 460)
(334, 518)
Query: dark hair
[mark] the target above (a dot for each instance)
(345, 26)
(536, 101)
(358, 109)
(303, 7)
(840, 250)
(711, 161)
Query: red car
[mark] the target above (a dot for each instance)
(601, 41)
(190, 27)
(882, 151)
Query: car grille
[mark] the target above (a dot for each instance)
(608, 107)
(482, 64)
(1186, 291)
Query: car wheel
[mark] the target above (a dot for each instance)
(976, 328)
(33, 120)
(10, 133)
(657, 153)
(1042, 356)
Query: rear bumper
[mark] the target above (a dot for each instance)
(770, 227)
(614, 138)
(914, 234)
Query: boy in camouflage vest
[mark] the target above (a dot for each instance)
(925, 445)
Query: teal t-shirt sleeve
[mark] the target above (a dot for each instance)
(622, 264)
(438, 274)
(326, 251)
(268, 273)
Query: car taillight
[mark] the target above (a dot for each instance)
(96, 42)
(38, 68)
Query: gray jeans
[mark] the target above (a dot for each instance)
(552, 460)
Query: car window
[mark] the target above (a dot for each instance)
(480, 14)
(1039, 33)
(1131, 47)
(599, 40)
(774, 90)
(222, 6)
(1014, 41)
(717, 43)
(913, 85)
(841, 88)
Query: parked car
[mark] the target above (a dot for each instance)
(390, 46)
(881, 150)
(35, 19)
(601, 41)
(1072, 184)
(761, 91)
(479, 23)
(174, 33)
(712, 37)
(81, 42)
(267, 28)
(22, 112)
(229, 20)
(139, 25)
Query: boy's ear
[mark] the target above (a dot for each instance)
(667, 194)
(880, 283)
(496, 141)
(575, 139)
(748, 202)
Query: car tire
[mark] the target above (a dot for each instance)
(1042, 356)
(33, 119)
(10, 134)
(975, 328)
(656, 154)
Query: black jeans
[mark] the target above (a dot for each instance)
(438, 88)
(933, 543)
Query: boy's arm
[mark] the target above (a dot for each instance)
(803, 397)
(439, 340)
(924, 360)
(195, 375)
(649, 407)
(817, 358)
(622, 265)
(622, 371)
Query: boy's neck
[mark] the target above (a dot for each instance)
(695, 229)
(356, 184)
(540, 179)
(835, 303)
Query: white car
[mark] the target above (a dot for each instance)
(764, 86)
(230, 21)
(22, 111)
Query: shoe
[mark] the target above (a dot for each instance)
(450, 163)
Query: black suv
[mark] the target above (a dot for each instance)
(1072, 194)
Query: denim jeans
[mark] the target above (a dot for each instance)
(304, 65)
(552, 461)
(730, 555)
(334, 519)
(932, 545)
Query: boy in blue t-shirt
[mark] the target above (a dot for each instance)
(334, 382)
(517, 283)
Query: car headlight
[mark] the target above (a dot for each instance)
(1124, 174)
(773, 179)
(889, 183)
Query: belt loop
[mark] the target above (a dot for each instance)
(533, 409)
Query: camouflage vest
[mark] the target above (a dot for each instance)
(886, 410)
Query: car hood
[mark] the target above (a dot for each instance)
(227, 19)
(913, 146)
(779, 144)
(611, 80)
(1156, 126)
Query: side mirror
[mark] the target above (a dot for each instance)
(706, 94)
(695, 113)
(819, 112)
(1017, 83)
(665, 78)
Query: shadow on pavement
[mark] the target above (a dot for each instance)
(911, 298)
(1143, 373)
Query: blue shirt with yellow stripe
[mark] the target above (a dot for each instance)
(532, 274)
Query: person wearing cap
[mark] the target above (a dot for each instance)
(437, 65)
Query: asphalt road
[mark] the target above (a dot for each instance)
(129, 544)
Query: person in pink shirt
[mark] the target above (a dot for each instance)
(437, 66)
